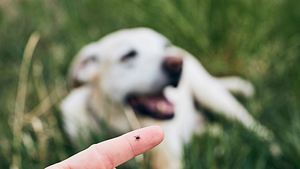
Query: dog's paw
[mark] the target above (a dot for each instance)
(247, 89)
(238, 86)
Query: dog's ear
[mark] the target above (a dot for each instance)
(85, 67)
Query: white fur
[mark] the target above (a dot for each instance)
(78, 121)
(143, 74)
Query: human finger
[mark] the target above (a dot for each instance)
(111, 153)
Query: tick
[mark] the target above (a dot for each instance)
(137, 137)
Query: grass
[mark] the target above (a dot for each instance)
(258, 39)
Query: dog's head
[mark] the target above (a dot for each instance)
(131, 66)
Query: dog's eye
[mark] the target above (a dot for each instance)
(131, 54)
(90, 59)
(93, 58)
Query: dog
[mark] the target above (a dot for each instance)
(139, 74)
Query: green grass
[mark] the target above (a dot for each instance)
(258, 39)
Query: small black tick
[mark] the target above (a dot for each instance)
(137, 137)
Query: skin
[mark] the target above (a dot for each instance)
(111, 153)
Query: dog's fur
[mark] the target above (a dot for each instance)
(105, 82)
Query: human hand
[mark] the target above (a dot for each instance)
(111, 153)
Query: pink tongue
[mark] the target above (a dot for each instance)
(159, 105)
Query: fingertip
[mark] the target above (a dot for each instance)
(158, 133)
(155, 134)
(145, 138)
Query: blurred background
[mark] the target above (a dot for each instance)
(258, 40)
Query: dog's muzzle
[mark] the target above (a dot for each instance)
(156, 105)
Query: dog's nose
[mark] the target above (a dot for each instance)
(173, 65)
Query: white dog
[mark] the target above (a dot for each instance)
(140, 70)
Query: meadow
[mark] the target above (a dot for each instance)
(258, 40)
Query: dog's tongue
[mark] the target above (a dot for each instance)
(159, 105)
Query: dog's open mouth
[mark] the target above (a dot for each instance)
(156, 106)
